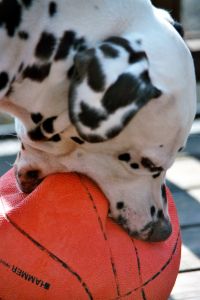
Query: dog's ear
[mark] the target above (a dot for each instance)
(81, 62)
(107, 92)
(102, 116)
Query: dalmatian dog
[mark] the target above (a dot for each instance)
(104, 88)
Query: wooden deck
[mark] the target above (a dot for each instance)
(184, 182)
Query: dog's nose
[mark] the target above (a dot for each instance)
(160, 231)
(28, 180)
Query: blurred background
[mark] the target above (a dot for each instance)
(183, 178)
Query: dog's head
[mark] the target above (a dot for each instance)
(133, 184)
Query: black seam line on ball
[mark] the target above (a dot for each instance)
(104, 235)
(165, 265)
(49, 253)
(139, 270)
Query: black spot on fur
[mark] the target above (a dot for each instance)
(36, 117)
(10, 15)
(127, 117)
(161, 146)
(52, 8)
(121, 220)
(92, 138)
(79, 44)
(45, 46)
(113, 132)
(136, 56)
(121, 93)
(27, 3)
(4, 79)
(128, 89)
(119, 41)
(124, 157)
(65, 45)
(133, 55)
(77, 140)
(152, 210)
(81, 64)
(36, 134)
(47, 125)
(120, 205)
(180, 149)
(160, 214)
(36, 72)
(156, 175)
(55, 138)
(164, 194)
(135, 166)
(23, 35)
(90, 117)
(152, 90)
(70, 72)
(109, 51)
(96, 78)
(139, 42)
(148, 164)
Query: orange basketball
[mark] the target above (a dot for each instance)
(58, 243)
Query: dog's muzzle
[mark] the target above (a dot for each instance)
(155, 231)
(27, 180)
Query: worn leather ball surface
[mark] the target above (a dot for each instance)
(59, 243)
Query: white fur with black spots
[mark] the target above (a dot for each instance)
(63, 65)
